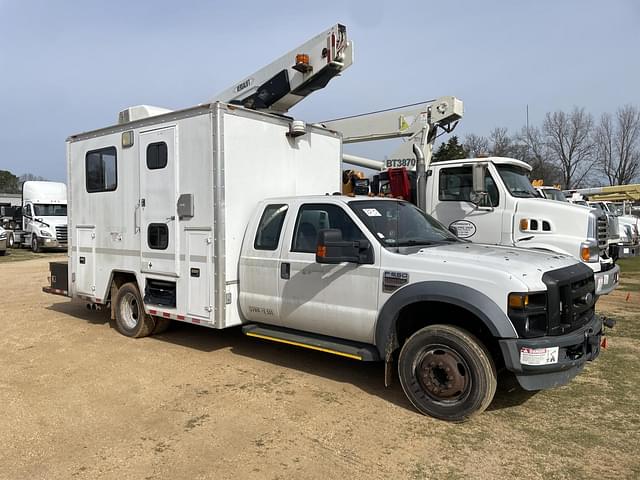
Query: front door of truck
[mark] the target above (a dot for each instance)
(159, 248)
(451, 204)
(336, 300)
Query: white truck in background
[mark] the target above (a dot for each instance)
(224, 216)
(486, 200)
(43, 223)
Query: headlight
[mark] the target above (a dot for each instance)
(3, 236)
(44, 233)
(528, 313)
(589, 251)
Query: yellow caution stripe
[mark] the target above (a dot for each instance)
(304, 345)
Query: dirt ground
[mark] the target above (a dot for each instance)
(80, 401)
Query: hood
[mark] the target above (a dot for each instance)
(524, 264)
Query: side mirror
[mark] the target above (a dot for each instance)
(479, 191)
(333, 250)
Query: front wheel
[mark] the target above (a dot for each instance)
(131, 319)
(447, 373)
(10, 240)
(35, 248)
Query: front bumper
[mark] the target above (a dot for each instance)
(3, 244)
(564, 357)
(627, 250)
(48, 242)
(607, 281)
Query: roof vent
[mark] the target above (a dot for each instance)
(140, 112)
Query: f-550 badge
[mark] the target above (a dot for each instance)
(394, 280)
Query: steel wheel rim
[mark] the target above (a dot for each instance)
(130, 311)
(443, 374)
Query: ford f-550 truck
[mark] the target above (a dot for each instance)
(205, 216)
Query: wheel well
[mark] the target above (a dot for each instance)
(418, 315)
(117, 280)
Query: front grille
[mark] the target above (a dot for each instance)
(603, 232)
(570, 298)
(61, 233)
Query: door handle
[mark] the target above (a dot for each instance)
(285, 271)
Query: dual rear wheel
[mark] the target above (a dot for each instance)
(131, 319)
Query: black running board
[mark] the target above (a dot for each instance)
(321, 343)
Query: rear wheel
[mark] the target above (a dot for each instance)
(10, 240)
(447, 373)
(131, 319)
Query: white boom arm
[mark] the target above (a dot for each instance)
(418, 123)
(285, 82)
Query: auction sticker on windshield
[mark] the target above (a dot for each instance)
(464, 228)
(371, 212)
(539, 356)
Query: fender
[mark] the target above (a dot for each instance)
(472, 300)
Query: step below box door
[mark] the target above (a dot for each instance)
(200, 270)
(85, 263)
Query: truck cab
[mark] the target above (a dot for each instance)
(377, 278)
(510, 212)
(44, 215)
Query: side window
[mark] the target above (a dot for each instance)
(101, 170)
(156, 155)
(456, 184)
(158, 236)
(315, 217)
(270, 226)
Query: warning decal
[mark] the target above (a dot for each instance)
(538, 356)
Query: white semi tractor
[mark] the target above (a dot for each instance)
(223, 216)
(43, 222)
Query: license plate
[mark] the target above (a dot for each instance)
(539, 356)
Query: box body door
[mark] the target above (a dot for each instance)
(200, 272)
(159, 239)
(85, 266)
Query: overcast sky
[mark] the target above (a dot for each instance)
(67, 67)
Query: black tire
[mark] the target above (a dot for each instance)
(35, 248)
(10, 240)
(131, 319)
(162, 325)
(447, 373)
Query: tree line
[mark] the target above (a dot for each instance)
(10, 183)
(569, 148)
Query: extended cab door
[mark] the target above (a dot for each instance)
(336, 300)
(450, 196)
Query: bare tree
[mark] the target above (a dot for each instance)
(536, 152)
(618, 145)
(476, 145)
(569, 139)
(501, 142)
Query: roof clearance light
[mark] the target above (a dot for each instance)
(302, 63)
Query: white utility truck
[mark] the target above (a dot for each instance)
(486, 200)
(44, 217)
(223, 216)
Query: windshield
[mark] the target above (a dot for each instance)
(517, 181)
(49, 210)
(400, 224)
(553, 194)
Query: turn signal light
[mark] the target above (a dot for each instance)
(321, 251)
(524, 224)
(518, 301)
(585, 254)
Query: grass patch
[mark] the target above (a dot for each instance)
(629, 265)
